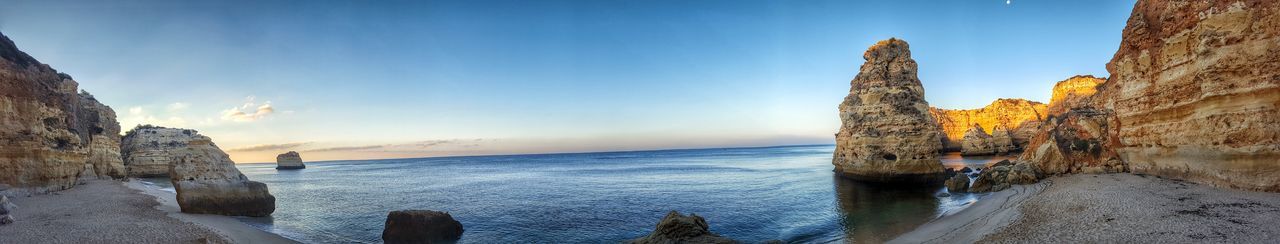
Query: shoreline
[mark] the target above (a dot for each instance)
(1119, 207)
(989, 214)
(226, 227)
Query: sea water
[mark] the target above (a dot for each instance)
(753, 194)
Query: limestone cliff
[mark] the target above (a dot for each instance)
(148, 150)
(207, 181)
(1081, 140)
(48, 131)
(1073, 92)
(1195, 86)
(1005, 112)
(886, 132)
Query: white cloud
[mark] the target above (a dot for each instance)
(247, 112)
(135, 111)
(178, 106)
(139, 116)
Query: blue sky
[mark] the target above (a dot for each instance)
(358, 79)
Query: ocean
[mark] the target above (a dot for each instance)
(787, 193)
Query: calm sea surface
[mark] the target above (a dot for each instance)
(753, 194)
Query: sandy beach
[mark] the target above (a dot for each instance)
(1120, 208)
(106, 211)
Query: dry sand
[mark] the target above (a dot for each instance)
(98, 212)
(106, 211)
(1117, 208)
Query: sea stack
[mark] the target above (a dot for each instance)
(420, 226)
(1196, 89)
(887, 133)
(49, 129)
(289, 160)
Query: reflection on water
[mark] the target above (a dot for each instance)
(875, 213)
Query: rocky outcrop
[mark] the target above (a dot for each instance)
(886, 132)
(6, 210)
(421, 226)
(1081, 140)
(977, 142)
(958, 183)
(204, 177)
(149, 150)
(289, 160)
(1017, 115)
(1002, 140)
(1004, 174)
(677, 228)
(48, 130)
(1195, 86)
(1073, 92)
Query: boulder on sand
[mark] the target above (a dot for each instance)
(420, 226)
(207, 182)
(677, 228)
(1004, 174)
(958, 183)
(5, 208)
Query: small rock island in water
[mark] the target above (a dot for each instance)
(289, 160)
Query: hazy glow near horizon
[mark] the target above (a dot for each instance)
(354, 80)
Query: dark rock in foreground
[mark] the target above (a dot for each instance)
(958, 183)
(1004, 174)
(421, 226)
(677, 228)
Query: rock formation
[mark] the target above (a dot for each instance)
(958, 183)
(1004, 174)
(420, 226)
(1196, 89)
(677, 228)
(1073, 92)
(148, 150)
(977, 142)
(48, 131)
(886, 132)
(204, 177)
(289, 160)
(1002, 140)
(1019, 115)
(6, 209)
(1080, 140)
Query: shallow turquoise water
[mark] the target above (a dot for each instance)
(753, 194)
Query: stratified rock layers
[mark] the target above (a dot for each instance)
(207, 182)
(887, 133)
(1073, 92)
(148, 150)
(978, 142)
(1020, 116)
(1196, 89)
(48, 131)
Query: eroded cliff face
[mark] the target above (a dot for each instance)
(1195, 86)
(887, 133)
(48, 131)
(1019, 115)
(1073, 92)
(207, 182)
(1081, 140)
(148, 150)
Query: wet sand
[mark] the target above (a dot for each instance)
(1113, 208)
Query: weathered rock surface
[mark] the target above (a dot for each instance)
(1073, 92)
(1196, 89)
(205, 178)
(958, 183)
(1018, 115)
(149, 150)
(886, 132)
(977, 142)
(6, 209)
(289, 160)
(1004, 174)
(677, 228)
(1078, 141)
(420, 226)
(48, 131)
